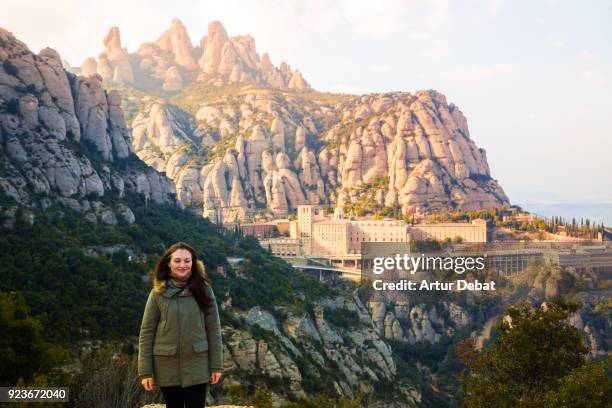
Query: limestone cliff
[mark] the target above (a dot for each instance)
(238, 134)
(172, 62)
(63, 139)
(417, 323)
(354, 358)
(257, 147)
(50, 121)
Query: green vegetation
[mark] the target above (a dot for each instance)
(272, 278)
(493, 216)
(589, 386)
(434, 368)
(342, 318)
(520, 221)
(23, 347)
(133, 101)
(365, 202)
(109, 379)
(343, 131)
(538, 360)
(73, 293)
(63, 287)
(195, 94)
(554, 225)
(220, 148)
(439, 360)
(326, 97)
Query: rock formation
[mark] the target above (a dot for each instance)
(113, 64)
(303, 347)
(278, 147)
(64, 138)
(177, 41)
(358, 354)
(172, 62)
(404, 151)
(418, 323)
(49, 120)
(235, 59)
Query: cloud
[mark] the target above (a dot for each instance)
(76, 28)
(439, 50)
(595, 70)
(587, 56)
(558, 42)
(477, 73)
(284, 28)
(597, 75)
(495, 6)
(381, 68)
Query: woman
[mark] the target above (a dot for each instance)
(180, 345)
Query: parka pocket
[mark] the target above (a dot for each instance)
(164, 349)
(200, 346)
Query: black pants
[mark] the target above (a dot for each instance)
(188, 397)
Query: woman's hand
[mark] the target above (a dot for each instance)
(214, 377)
(147, 383)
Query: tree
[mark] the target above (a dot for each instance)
(262, 399)
(23, 351)
(534, 349)
(466, 351)
(585, 387)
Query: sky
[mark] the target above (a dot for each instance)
(533, 78)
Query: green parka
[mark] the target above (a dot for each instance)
(179, 344)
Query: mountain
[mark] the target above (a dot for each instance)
(172, 62)
(82, 220)
(237, 133)
(49, 120)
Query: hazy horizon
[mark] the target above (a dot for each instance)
(532, 78)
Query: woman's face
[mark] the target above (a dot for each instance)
(180, 264)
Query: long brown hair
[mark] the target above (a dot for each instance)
(197, 282)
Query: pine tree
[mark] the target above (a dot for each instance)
(534, 350)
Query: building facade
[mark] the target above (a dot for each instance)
(320, 236)
(283, 247)
(475, 231)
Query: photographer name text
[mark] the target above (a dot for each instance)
(409, 285)
(411, 264)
